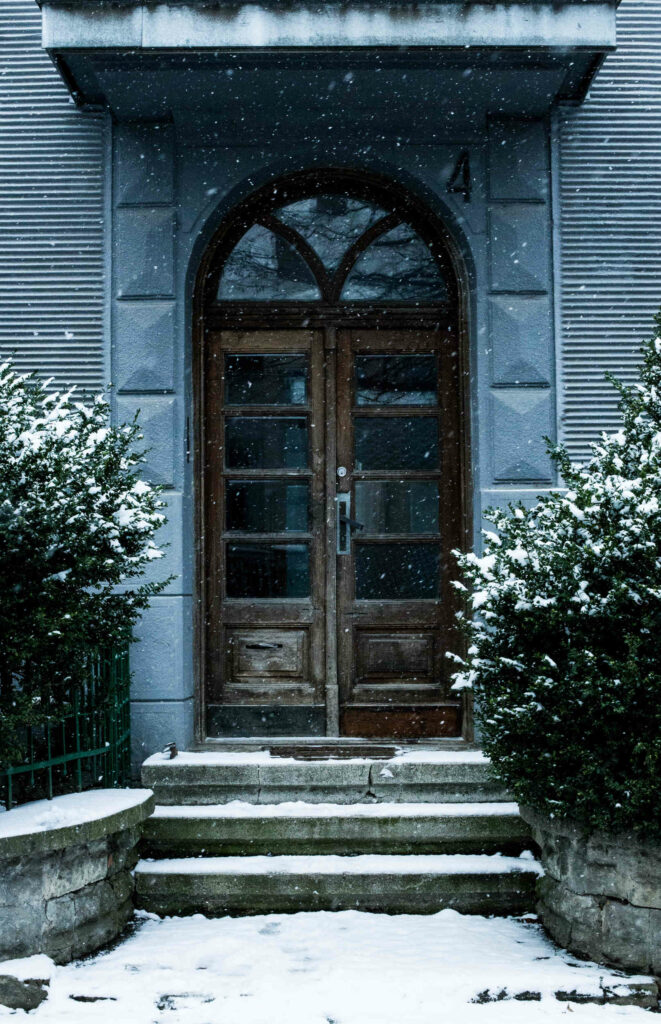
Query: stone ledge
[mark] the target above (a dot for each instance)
(41, 826)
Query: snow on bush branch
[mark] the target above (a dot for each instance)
(77, 529)
(564, 628)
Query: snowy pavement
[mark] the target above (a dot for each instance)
(331, 968)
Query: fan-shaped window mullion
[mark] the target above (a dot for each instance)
(330, 222)
(305, 251)
(396, 266)
(352, 254)
(264, 267)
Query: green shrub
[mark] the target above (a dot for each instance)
(564, 630)
(76, 529)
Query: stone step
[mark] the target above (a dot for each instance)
(414, 884)
(304, 828)
(428, 776)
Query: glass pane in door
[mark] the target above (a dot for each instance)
(266, 380)
(399, 442)
(268, 506)
(266, 442)
(397, 506)
(268, 570)
(396, 380)
(396, 572)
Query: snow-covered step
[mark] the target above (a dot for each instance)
(305, 828)
(422, 884)
(415, 776)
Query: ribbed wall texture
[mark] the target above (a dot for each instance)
(51, 212)
(51, 218)
(610, 182)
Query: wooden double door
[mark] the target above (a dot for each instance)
(333, 500)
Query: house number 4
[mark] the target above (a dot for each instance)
(460, 179)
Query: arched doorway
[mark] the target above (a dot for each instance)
(333, 446)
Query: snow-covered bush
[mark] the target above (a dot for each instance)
(76, 528)
(564, 629)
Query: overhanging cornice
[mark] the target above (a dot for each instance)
(563, 40)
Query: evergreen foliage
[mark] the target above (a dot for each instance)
(76, 530)
(564, 635)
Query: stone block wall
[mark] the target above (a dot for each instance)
(148, 374)
(601, 895)
(520, 289)
(67, 889)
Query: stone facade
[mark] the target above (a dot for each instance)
(193, 106)
(601, 894)
(67, 891)
(171, 192)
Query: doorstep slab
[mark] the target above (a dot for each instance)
(258, 777)
(375, 883)
(295, 828)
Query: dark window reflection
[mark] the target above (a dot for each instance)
(396, 380)
(396, 443)
(267, 506)
(391, 572)
(268, 570)
(396, 267)
(397, 506)
(264, 266)
(266, 442)
(266, 380)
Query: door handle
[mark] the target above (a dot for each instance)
(262, 646)
(344, 523)
(353, 524)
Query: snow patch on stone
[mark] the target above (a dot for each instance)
(69, 810)
(300, 809)
(335, 864)
(29, 968)
(256, 757)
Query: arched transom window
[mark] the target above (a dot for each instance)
(333, 249)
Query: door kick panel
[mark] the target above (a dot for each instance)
(384, 655)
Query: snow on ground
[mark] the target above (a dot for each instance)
(29, 967)
(325, 968)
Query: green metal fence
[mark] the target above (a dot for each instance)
(86, 747)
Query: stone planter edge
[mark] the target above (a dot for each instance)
(600, 896)
(66, 890)
(50, 839)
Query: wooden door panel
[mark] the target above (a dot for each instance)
(379, 668)
(265, 509)
(399, 442)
